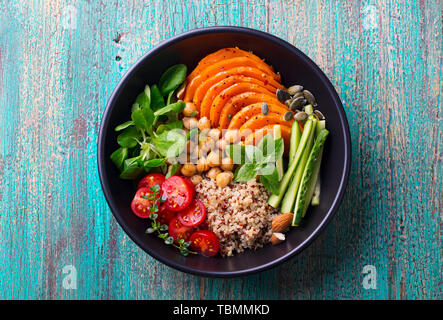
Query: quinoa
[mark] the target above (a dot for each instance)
(238, 214)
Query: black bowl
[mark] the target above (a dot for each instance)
(296, 68)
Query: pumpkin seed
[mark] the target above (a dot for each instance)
(294, 89)
(319, 115)
(288, 102)
(298, 94)
(297, 103)
(309, 96)
(300, 116)
(283, 95)
(288, 116)
(264, 108)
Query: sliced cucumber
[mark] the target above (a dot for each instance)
(294, 141)
(275, 199)
(278, 162)
(316, 195)
(317, 189)
(309, 109)
(289, 198)
(307, 185)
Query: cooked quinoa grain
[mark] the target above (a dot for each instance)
(238, 214)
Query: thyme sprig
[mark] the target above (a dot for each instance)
(162, 229)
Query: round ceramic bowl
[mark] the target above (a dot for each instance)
(295, 68)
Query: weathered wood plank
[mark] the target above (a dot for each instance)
(59, 62)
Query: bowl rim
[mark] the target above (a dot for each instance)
(239, 30)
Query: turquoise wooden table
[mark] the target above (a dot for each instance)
(59, 62)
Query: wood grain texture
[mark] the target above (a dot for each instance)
(59, 62)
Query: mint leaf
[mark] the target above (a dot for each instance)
(246, 172)
(271, 183)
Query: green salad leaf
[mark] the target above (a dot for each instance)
(172, 78)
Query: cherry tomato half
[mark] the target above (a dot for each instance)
(205, 242)
(179, 231)
(177, 192)
(141, 206)
(192, 215)
(151, 180)
(165, 215)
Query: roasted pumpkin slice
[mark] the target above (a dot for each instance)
(237, 102)
(218, 88)
(259, 121)
(224, 96)
(222, 54)
(250, 111)
(256, 136)
(267, 80)
(210, 71)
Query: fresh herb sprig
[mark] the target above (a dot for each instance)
(151, 136)
(258, 160)
(161, 229)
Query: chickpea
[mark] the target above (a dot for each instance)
(190, 110)
(189, 122)
(223, 179)
(214, 134)
(227, 164)
(196, 179)
(232, 136)
(212, 174)
(206, 144)
(214, 159)
(202, 165)
(204, 123)
(221, 144)
(188, 170)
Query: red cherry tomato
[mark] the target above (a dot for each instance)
(177, 192)
(165, 215)
(151, 180)
(179, 231)
(141, 206)
(205, 242)
(192, 215)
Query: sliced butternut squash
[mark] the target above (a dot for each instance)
(237, 102)
(222, 54)
(259, 121)
(217, 88)
(251, 110)
(267, 80)
(210, 71)
(224, 96)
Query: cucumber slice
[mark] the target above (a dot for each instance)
(309, 109)
(316, 196)
(275, 199)
(278, 162)
(317, 189)
(289, 198)
(307, 185)
(294, 141)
